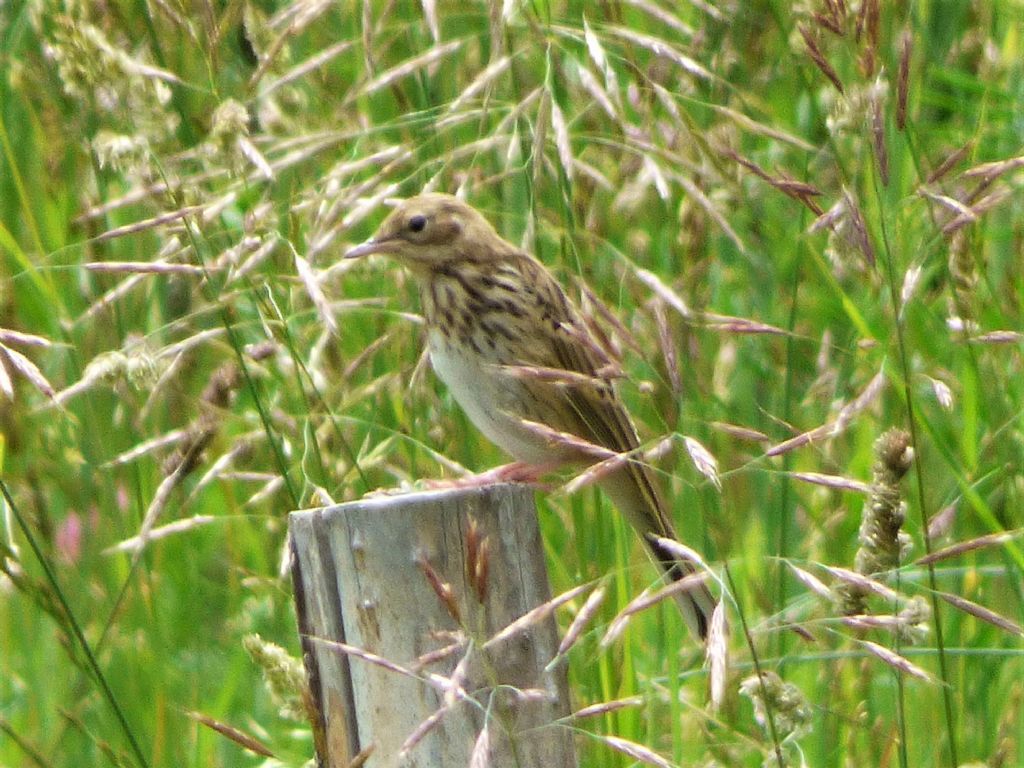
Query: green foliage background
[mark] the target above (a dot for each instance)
(675, 158)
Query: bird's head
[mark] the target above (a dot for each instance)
(430, 231)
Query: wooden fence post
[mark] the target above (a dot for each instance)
(363, 574)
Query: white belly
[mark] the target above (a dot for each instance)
(488, 397)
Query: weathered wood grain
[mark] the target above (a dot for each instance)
(360, 579)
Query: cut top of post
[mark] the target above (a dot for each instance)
(397, 597)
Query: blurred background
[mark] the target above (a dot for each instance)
(800, 223)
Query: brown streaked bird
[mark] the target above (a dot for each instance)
(494, 315)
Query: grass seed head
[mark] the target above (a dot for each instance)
(790, 712)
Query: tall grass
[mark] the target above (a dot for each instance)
(805, 222)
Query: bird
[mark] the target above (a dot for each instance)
(527, 369)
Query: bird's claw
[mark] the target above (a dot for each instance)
(516, 472)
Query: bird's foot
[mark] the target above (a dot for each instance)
(516, 472)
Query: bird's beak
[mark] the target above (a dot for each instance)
(369, 247)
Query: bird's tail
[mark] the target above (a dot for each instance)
(696, 602)
(633, 492)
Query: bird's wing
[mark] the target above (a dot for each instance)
(563, 342)
(589, 407)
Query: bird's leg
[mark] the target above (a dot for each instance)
(516, 472)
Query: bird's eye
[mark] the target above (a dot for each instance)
(417, 223)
